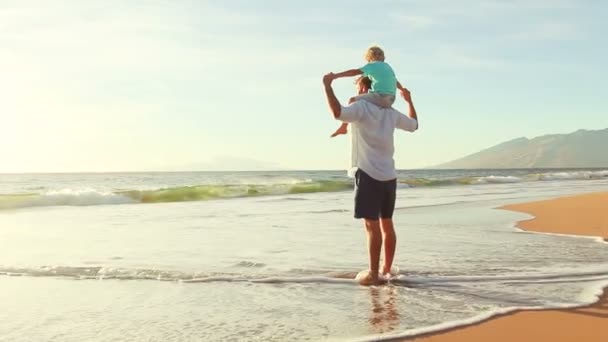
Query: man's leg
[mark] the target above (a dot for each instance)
(388, 229)
(374, 245)
(390, 241)
(368, 199)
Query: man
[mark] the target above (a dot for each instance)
(375, 174)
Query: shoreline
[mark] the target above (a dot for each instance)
(575, 215)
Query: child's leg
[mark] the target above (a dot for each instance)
(343, 129)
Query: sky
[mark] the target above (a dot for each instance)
(173, 85)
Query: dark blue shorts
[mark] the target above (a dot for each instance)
(374, 199)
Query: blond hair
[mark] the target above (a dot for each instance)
(374, 53)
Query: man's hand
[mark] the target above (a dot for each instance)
(399, 86)
(407, 96)
(328, 78)
(334, 104)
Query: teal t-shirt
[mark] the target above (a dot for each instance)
(383, 77)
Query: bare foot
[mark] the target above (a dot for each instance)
(339, 131)
(365, 278)
(389, 272)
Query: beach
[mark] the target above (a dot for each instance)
(271, 256)
(573, 215)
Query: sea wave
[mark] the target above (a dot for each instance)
(90, 196)
(206, 192)
(299, 276)
(426, 182)
(499, 180)
(114, 273)
(504, 179)
(574, 175)
(64, 197)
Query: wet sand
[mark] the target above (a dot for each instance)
(575, 215)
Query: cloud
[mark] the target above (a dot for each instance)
(461, 57)
(414, 22)
(526, 5)
(549, 31)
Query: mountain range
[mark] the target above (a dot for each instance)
(580, 149)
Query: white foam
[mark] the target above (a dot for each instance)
(598, 239)
(73, 197)
(303, 280)
(589, 297)
(598, 273)
(273, 280)
(101, 273)
(498, 180)
(599, 277)
(574, 175)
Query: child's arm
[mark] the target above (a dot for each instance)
(349, 73)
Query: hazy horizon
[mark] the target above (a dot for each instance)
(217, 167)
(298, 170)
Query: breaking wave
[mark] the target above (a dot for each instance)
(91, 197)
(88, 197)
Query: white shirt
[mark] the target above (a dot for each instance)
(373, 146)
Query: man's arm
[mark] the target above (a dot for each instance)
(399, 86)
(348, 73)
(352, 113)
(334, 105)
(407, 96)
(409, 123)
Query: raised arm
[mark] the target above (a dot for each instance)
(407, 96)
(399, 86)
(348, 73)
(334, 105)
(351, 113)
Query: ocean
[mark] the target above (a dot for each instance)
(271, 256)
